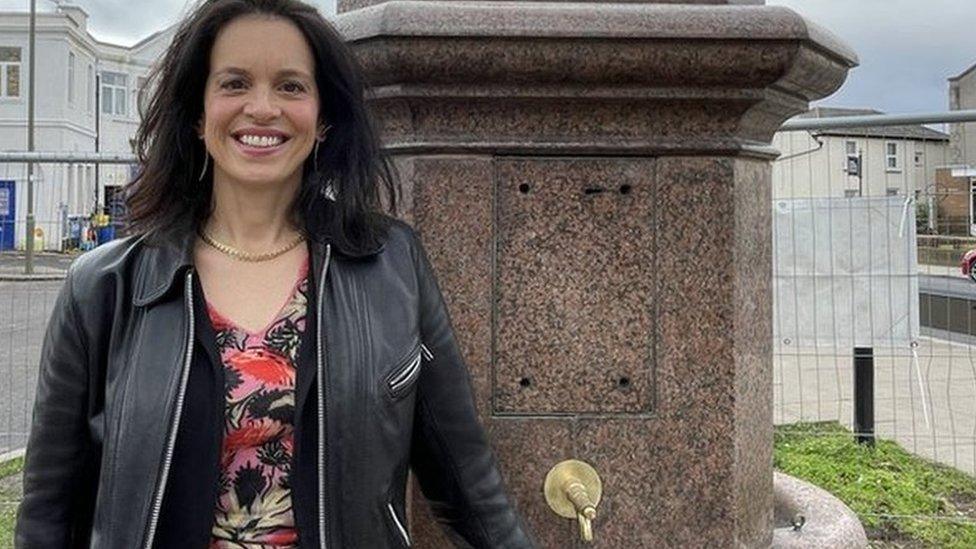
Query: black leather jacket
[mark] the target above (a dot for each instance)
(124, 444)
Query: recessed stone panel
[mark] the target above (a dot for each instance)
(574, 285)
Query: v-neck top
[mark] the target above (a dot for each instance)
(254, 505)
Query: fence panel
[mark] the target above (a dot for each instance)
(871, 227)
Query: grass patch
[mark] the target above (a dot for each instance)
(11, 467)
(8, 495)
(885, 480)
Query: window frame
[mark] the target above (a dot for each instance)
(117, 91)
(72, 61)
(919, 159)
(896, 156)
(90, 102)
(4, 83)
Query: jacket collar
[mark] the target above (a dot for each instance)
(166, 258)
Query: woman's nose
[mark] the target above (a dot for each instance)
(262, 105)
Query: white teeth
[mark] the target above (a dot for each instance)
(260, 141)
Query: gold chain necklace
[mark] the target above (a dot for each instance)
(247, 256)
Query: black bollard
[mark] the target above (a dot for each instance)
(864, 395)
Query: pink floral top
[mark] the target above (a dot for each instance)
(254, 507)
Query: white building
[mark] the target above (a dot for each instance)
(962, 96)
(68, 104)
(896, 160)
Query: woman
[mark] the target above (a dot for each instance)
(261, 362)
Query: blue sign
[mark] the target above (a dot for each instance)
(8, 212)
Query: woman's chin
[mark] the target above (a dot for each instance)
(257, 176)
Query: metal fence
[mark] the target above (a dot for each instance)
(875, 301)
(72, 213)
(872, 217)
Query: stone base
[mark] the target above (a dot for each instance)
(826, 522)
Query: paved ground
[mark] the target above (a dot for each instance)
(24, 310)
(926, 401)
(12, 263)
(25, 306)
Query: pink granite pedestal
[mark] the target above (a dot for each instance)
(592, 182)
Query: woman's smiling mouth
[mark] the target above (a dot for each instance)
(263, 142)
(259, 143)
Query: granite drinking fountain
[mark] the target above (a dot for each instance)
(592, 183)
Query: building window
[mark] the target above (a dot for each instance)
(115, 93)
(9, 72)
(91, 89)
(851, 193)
(71, 78)
(892, 160)
(919, 159)
(892, 191)
(852, 159)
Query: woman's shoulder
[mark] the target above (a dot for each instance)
(93, 268)
(403, 240)
(400, 233)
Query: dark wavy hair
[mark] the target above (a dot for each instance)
(167, 193)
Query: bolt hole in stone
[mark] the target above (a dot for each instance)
(594, 190)
(625, 189)
(525, 382)
(524, 188)
(623, 382)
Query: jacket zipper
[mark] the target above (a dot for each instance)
(320, 396)
(405, 376)
(399, 525)
(177, 413)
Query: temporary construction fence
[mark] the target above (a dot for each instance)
(873, 308)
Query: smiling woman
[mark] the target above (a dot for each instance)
(266, 356)
(316, 76)
(261, 105)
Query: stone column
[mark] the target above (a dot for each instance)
(592, 181)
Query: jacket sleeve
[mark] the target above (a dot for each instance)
(60, 466)
(450, 454)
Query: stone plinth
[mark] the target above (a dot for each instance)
(591, 181)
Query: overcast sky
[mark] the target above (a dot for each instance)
(908, 48)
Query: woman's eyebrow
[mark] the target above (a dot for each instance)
(232, 70)
(294, 73)
(281, 74)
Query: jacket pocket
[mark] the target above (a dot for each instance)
(398, 526)
(403, 376)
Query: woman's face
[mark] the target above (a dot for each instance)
(261, 104)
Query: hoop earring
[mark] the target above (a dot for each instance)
(319, 141)
(206, 163)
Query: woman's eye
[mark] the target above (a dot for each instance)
(293, 87)
(232, 85)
